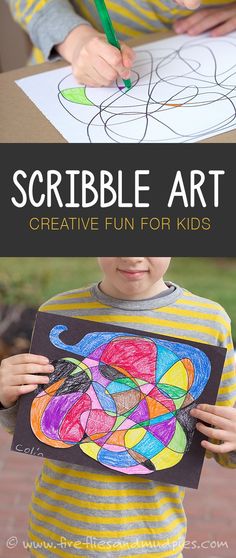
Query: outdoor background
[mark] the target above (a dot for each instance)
(24, 284)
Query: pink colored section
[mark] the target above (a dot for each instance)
(163, 399)
(135, 470)
(99, 421)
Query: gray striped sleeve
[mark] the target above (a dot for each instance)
(51, 25)
(8, 417)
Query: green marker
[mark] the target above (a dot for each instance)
(109, 30)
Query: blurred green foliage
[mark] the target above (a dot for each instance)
(30, 281)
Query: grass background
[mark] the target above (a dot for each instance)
(30, 281)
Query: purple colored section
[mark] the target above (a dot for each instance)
(55, 413)
(164, 431)
(141, 412)
(96, 355)
(97, 377)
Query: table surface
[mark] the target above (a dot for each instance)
(22, 122)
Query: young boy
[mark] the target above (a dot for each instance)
(84, 513)
(72, 29)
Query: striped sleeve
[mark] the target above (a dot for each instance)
(48, 22)
(8, 417)
(227, 394)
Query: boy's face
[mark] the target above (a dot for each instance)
(133, 278)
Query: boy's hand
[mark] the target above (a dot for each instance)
(94, 61)
(189, 4)
(223, 426)
(21, 374)
(219, 21)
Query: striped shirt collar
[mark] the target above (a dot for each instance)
(165, 298)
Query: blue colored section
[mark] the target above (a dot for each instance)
(148, 446)
(165, 359)
(54, 337)
(92, 341)
(106, 401)
(116, 458)
(118, 387)
(161, 418)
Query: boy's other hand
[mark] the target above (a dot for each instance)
(94, 61)
(222, 429)
(189, 4)
(218, 21)
(21, 374)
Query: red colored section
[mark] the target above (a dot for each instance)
(137, 356)
(71, 428)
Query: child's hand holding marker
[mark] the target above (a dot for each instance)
(100, 59)
(94, 61)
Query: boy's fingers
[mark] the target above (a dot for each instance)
(95, 75)
(225, 28)
(128, 55)
(107, 73)
(211, 418)
(20, 369)
(217, 448)
(28, 379)
(192, 4)
(26, 388)
(25, 358)
(215, 433)
(113, 57)
(210, 21)
(14, 392)
(186, 23)
(219, 410)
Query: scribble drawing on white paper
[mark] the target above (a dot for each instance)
(183, 90)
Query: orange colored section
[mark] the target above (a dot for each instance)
(37, 409)
(117, 438)
(155, 408)
(190, 370)
(97, 436)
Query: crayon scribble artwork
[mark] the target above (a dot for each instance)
(183, 90)
(120, 399)
(123, 403)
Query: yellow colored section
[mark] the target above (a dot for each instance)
(176, 376)
(134, 436)
(90, 449)
(166, 458)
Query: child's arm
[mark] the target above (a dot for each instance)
(220, 419)
(18, 375)
(218, 21)
(54, 26)
(47, 22)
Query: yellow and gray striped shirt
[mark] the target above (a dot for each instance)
(78, 513)
(48, 22)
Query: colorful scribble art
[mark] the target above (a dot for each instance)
(123, 402)
(119, 398)
(183, 90)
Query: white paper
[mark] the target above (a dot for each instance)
(183, 90)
